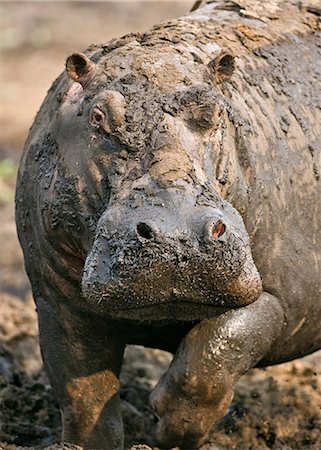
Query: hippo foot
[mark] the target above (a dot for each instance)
(197, 389)
(188, 408)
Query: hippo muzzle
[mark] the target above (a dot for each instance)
(170, 257)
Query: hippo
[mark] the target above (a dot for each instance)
(169, 196)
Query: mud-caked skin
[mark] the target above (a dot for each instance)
(169, 196)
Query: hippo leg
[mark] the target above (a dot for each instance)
(83, 361)
(198, 387)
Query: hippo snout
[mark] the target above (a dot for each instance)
(160, 258)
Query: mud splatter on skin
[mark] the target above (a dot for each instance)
(180, 137)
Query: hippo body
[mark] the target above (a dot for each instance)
(169, 196)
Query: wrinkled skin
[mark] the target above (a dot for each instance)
(169, 196)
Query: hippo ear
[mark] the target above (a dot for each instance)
(79, 67)
(222, 66)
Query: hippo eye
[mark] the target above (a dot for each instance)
(97, 117)
(218, 229)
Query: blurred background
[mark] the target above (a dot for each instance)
(36, 37)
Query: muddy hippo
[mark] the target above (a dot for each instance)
(169, 196)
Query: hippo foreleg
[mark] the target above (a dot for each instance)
(198, 387)
(83, 363)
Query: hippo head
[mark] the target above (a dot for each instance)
(142, 125)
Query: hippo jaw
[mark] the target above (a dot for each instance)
(163, 268)
(145, 299)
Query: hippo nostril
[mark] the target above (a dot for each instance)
(144, 230)
(155, 418)
(218, 229)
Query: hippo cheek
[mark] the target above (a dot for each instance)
(247, 287)
(97, 269)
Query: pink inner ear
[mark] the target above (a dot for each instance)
(75, 89)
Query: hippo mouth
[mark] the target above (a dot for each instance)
(170, 311)
(124, 304)
(169, 288)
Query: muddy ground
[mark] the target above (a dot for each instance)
(275, 408)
